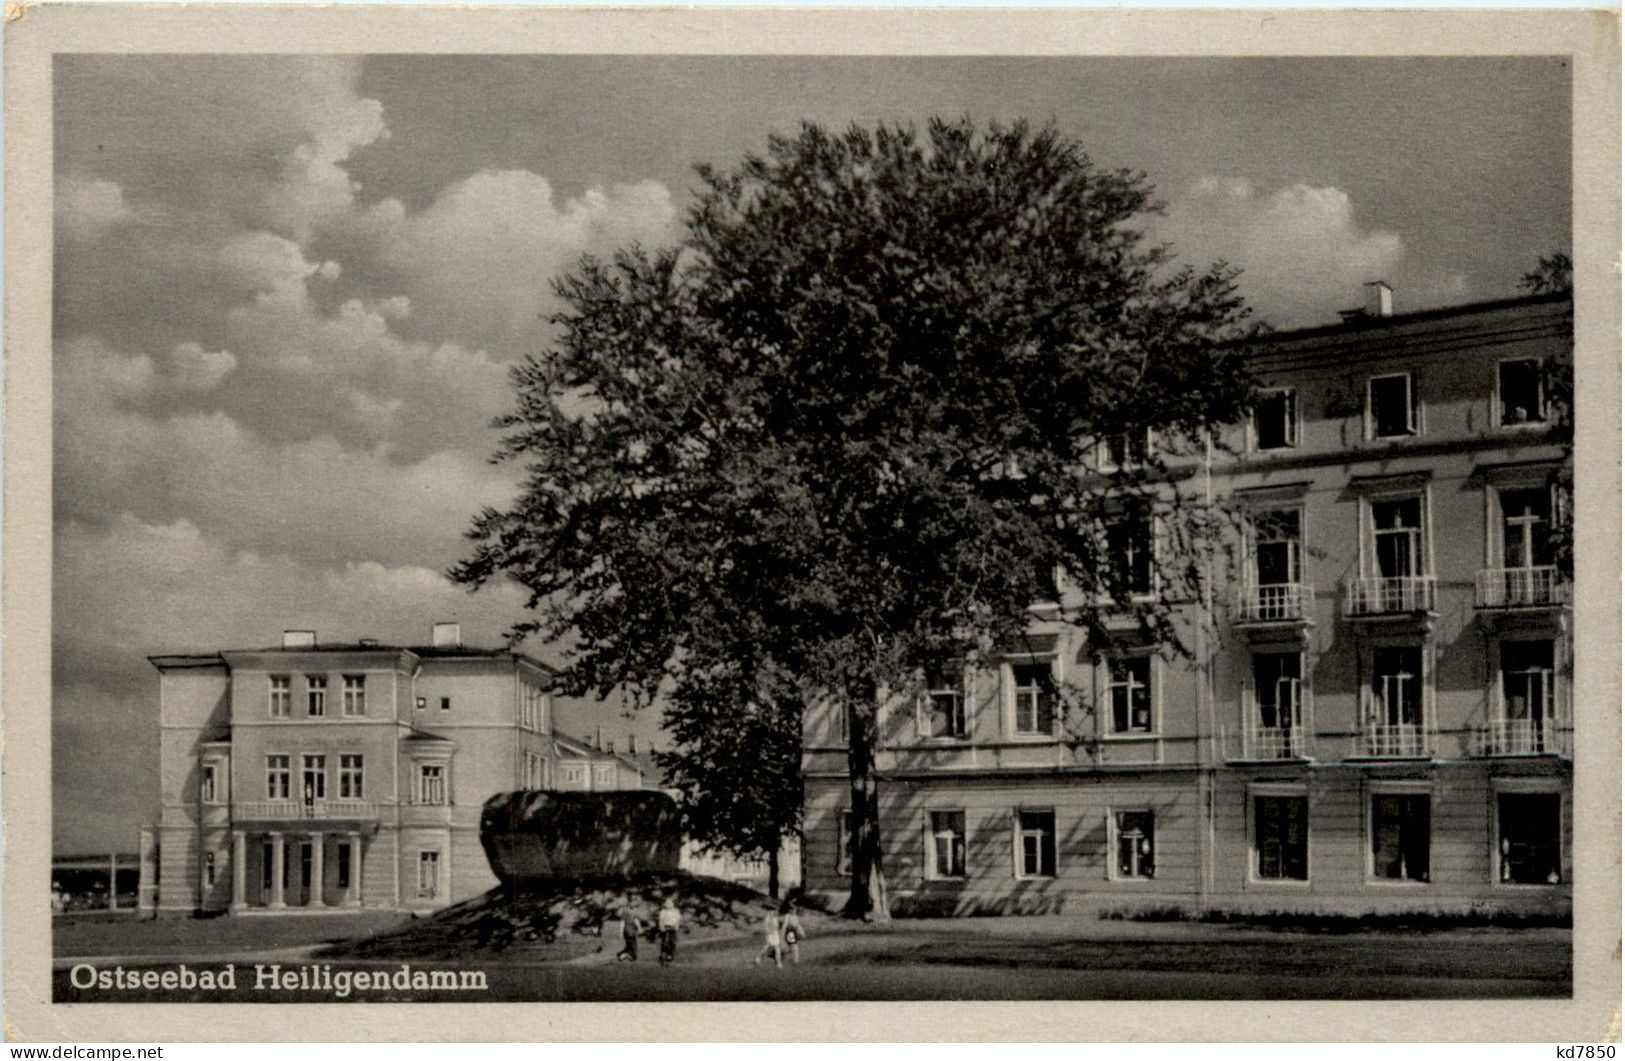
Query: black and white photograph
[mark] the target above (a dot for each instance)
(599, 527)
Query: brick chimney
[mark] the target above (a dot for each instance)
(298, 639)
(447, 635)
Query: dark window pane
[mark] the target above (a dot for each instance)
(1521, 392)
(1391, 406)
(1531, 838)
(1275, 420)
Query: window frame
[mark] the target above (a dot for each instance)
(1010, 695)
(925, 704)
(1378, 789)
(1255, 792)
(603, 774)
(429, 857)
(1423, 645)
(1153, 688)
(1124, 558)
(574, 774)
(349, 772)
(1543, 405)
(1293, 422)
(279, 691)
(1114, 838)
(1370, 561)
(315, 696)
(421, 788)
(1018, 848)
(272, 772)
(211, 781)
(933, 870)
(319, 790)
(353, 695)
(1532, 786)
(1255, 703)
(1260, 515)
(1500, 518)
(1413, 415)
(1550, 712)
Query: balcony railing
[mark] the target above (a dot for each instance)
(1266, 743)
(1520, 587)
(1388, 596)
(1283, 603)
(1526, 736)
(277, 810)
(1404, 740)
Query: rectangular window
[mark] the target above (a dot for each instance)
(1277, 553)
(428, 874)
(355, 694)
(316, 695)
(1035, 843)
(1519, 387)
(208, 869)
(281, 696)
(276, 777)
(1128, 449)
(1396, 528)
(532, 712)
(1136, 844)
(1396, 685)
(313, 777)
(1526, 682)
(1129, 542)
(1275, 420)
(431, 784)
(1277, 688)
(843, 843)
(1391, 406)
(1531, 835)
(941, 706)
(1281, 837)
(209, 782)
(575, 776)
(1400, 827)
(1130, 691)
(1526, 528)
(947, 844)
(350, 777)
(445, 703)
(603, 777)
(1033, 687)
(841, 724)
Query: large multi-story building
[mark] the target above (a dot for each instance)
(314, 776)
(1374, 714)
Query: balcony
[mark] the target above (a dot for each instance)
(1263, 744)
(1520, 587)
(1379, 597)
(1287, 602)
(292, 810)
(1506, 737)
(1404, 740)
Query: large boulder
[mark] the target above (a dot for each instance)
(550, 835)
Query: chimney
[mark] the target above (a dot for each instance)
(631, 744)
(448, 635)
(1379, 299)
(298, 639)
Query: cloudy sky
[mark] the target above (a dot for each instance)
(288, 290)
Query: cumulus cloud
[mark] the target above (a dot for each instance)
(1302, 248)
(192, 368)
(87, 208)
(479, 258)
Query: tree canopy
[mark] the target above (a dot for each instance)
(854, 422)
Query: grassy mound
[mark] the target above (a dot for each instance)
(557, 920)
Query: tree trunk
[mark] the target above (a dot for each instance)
(868, 898)
(773, 872)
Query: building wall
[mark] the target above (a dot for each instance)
(1195, 771)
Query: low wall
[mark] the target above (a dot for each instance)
(548, 835)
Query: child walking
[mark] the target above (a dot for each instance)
(791, 929)
(772, 940)
(668, 920)
(631, 928)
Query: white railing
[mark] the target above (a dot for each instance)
(1285, 602)
(1519, 587)
(1264, 743)
(1404, 740)
(301, 810)
(1388, 596)
(1526, 736)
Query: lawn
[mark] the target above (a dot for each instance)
(82, 935)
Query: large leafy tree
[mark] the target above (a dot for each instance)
(736, 759)
(1554, 275)
(852, 425)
